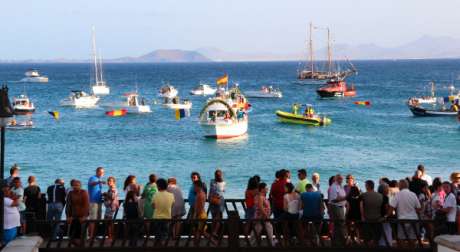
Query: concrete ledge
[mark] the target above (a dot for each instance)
(24, 244)
(448, 242)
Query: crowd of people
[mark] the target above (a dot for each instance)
(355, 214)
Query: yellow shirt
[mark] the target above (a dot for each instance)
(163, 203)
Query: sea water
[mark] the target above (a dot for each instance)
(384, 139)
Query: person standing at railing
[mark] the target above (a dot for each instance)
(18, 191)
(450, 208)
(195, 176)
(263, 212)
(56, 201)
(77, 212)
(303, 181)
(178, 209)
(387, 236)
(199, 212)
(111, 204)
(407, 207)
(147, 195)
(217, 200)
(95, 198)
(249, 196)
(315, 182)
(353, 213)
(371, 213)
(163, 202)
(11, 217)
(132, 214)
(32, 196)
(14, 173)
(337, 202)
(277, 192)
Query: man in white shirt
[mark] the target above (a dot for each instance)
(337, 202)
(425, 176)
(450, 208)
(407, 206)
(11, 217)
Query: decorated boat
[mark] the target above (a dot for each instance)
(336, 88)
(80, 99)
(264, 92)
(177, 103)
(203, 89)
(309, 117)
(220, 119)
(32, 75)
(168, 91)
(22, 105)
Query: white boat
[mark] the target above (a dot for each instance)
(32, 75)
(168, 91)
(15, 125)
(22, 105)
(100, 86)
(264, 92)
(132, 105)
(80, 99)
(203, 89)
(176, 103)
(220, 120)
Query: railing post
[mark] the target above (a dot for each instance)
(233, 231)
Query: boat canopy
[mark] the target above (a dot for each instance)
(215, 105)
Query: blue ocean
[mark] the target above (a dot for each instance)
(384, 139)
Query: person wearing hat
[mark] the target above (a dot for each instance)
(11, 217)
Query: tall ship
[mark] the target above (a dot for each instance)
(99, 87)
(33, 75)
(311, 72)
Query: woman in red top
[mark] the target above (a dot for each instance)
(250, 194)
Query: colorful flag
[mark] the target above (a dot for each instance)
(182, 113)
(54, 114)
(363, 103)
(223, 80)
(116, 112)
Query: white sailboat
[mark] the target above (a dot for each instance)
(100, 86)
(80, 99)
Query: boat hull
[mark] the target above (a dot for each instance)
(225, 130)
(287, 117)
(40, 79)
(84, 102)
(259, 94)
(21, 111)
(418, 111)
(178, 106)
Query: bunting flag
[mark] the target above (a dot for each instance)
(363, 103)
(182, 113)
(54, 114)
(116, 112)
(223, 80)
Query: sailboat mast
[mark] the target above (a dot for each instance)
(100, 69)
(310, 45)
(95, 55)
(329, 52)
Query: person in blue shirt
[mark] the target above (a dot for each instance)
(195, 176)
(313, 209)
(95, 198)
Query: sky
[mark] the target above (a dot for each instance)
(51, 29)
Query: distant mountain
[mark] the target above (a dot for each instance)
(159, 56)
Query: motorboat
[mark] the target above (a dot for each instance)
(22, 105)
(32, 75)
(220, 119)
(336, 88)
(99, 87)
(15, 125)
(203, 89)
(80, 99)
(307, 118)
(176, 103)
(133, 105)
(419, 111)
(264, 92)
(168, 91)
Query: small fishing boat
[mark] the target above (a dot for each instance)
(32, 75)
(203, 89)
(80, 99)
(419, 111)
(100, 87)
(132, 105)
(336, 88)
(264, 92)
(15, 125)
(168, 91)
(176, 103)
(308, 118)
(220, 120)
(22, 105)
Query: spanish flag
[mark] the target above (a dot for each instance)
(54, 114)
(223, 80)
(182, 113)
(363, 103)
